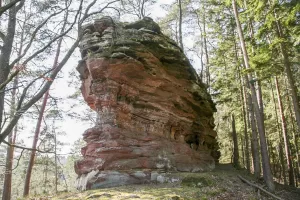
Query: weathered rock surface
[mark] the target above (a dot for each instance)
(154, 115)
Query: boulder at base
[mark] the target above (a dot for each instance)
(154, 114)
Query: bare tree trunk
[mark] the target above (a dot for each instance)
(235, 144)
(10, 149)
(5, 56)
(205, 49)
(295, 141)
(243, 151)
(280, 152)
(260, 99)
(34, 145)
(244, 105)
(143, 8)
(180, 25)
(12, 135)
(55, 161)
(285, 136)
(38, 125)
(254, 141)
(252, 123)
(289, 73)
(268, 177)
(272, 156)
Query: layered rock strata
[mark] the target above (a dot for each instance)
(154, 114)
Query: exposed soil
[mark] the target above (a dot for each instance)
(221, 183)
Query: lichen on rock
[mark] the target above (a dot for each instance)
(154, 114)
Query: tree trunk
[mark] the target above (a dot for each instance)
(5, 56)
(34, 145)
(55, 161)
(295, 141)
(235, 144)
(260, 99)
(254, 141)
(205, 49)
(243, 151)
(142, 8)
(10, 149)
(244, 106)
(268, 177)
(245, 131)
(180, 25)
(285, 136)
(39, 122)
(289, 73)
(280, 152)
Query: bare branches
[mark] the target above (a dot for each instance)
(33, 37)
(25, 148)
(8, 6)
(21, 109)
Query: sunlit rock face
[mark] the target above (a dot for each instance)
(154, 115)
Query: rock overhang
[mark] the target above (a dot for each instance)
(154, 112)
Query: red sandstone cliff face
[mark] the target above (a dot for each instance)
(154, 114)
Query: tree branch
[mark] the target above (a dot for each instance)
(21, 110)
(25, 148)
(260, 188)
(8, 6)
(33, 36)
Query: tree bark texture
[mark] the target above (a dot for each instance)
(180, 25)
(10, 149)
(285, 136)
(280, 149)
(235, 144)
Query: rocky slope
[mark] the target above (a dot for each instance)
(154, 114)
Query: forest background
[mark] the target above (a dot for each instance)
(246, 52)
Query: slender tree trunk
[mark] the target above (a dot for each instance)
(272, 156)
(280, 152)
(5, 56)
(10, 149)
(205, 49)
(34, 145)
(180, 25)
(243, 151)
(12, 136)
(254, 141)
(268, 177)
(260, 99)
(46, 175)
(143, 8)
(38, 125)
(244, 105)
(289, 73)
(252, 123)
(235, 144)
(295, 141)
(285, 136)
(202, 47)
(55, 157)
(247, 155)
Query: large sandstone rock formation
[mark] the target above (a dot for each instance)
(154, 115)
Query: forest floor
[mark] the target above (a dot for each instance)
(222, 184)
